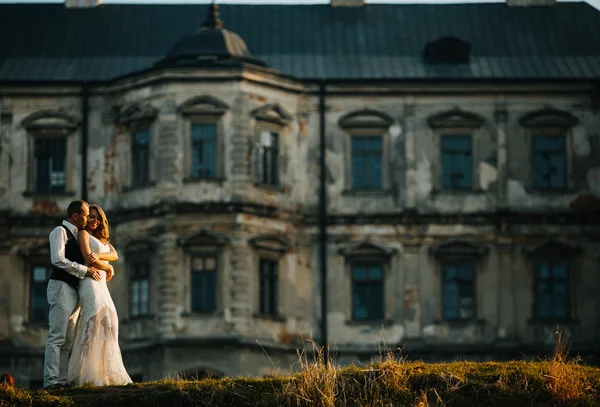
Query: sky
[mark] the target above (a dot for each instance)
(595, 3)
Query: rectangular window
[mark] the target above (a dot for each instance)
(367, 291)
(552, 291)
(140, 158)
(50, 164)
(139, 301)
(204, 150)
(38, 305)
(204, 283)
(366, 162)
(457, 162)
(268, 160)
(549, 162)
(269, 283)
(458, 292)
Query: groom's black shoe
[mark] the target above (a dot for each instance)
(57, 386)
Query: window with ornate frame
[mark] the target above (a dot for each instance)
(367, 147)
(271, 121)
(552, 267)
(51, 147)
(204, 141)
(204, 252)
(367, 265)
(549, 133)
(456, 134)
(459, 262)
(138, 260)
(138, 118)
(270, 251)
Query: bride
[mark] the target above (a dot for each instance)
(96, 356)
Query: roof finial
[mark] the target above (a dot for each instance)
(213, 19)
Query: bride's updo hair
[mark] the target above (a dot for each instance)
(101, 233)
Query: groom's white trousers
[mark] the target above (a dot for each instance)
(62, 318)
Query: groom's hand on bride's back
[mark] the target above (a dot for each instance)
(93, 273)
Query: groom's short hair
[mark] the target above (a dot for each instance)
(75, 207)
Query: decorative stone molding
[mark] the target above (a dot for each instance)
(552, 248)
(140, 246)
(204, 105)
(548, 118)
(455, 118)
(448, 49)
(366, 248)
(272, 113)
(50, 121)
(129, 113)
(457, 248)
(271, 243)
(203, 237)
(366, 119)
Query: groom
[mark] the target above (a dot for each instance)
(69, 268)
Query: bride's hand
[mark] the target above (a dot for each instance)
(91, 258)
(110, 274)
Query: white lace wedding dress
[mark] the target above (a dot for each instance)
(96, 356)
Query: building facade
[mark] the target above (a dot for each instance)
(461, 211)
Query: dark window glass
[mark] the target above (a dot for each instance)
(50, 164)
(204, 283)
(458, 292)
(139, 301)
(204, 150)
(268, 159)
(269, 283)
(38, 307)
(140, 158)
(549, 162)
(551, 290)
(457, 162)
(366, 162)
(367, 291)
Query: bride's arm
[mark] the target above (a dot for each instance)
(112, 255)
(84, 246)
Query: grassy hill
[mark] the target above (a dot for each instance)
(390, 382)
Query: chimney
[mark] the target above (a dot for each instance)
(529, 3)
(347, 3)
(82, 3)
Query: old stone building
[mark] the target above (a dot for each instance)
(456, 201)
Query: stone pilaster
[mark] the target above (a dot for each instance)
(167, 270)
(506, 293)
(168, 155)
(241, 287)
(240, 152)
(501, 117)
(410, 184)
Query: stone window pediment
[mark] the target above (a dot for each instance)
(270, 243)
(272, 113)
(448, 49)
(203, 238)
(455, 248)
(366, 248)
(50, 121)
(366, 119)
(204, 105)
(131, 113)
(455, 118)
(552, 248)
(140, 246)
(548, 118)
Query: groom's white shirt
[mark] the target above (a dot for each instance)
(58, 240)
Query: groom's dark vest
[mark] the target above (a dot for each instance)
(73, 253)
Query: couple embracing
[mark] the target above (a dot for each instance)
(80, 254)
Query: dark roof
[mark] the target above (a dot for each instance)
(379, 41)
